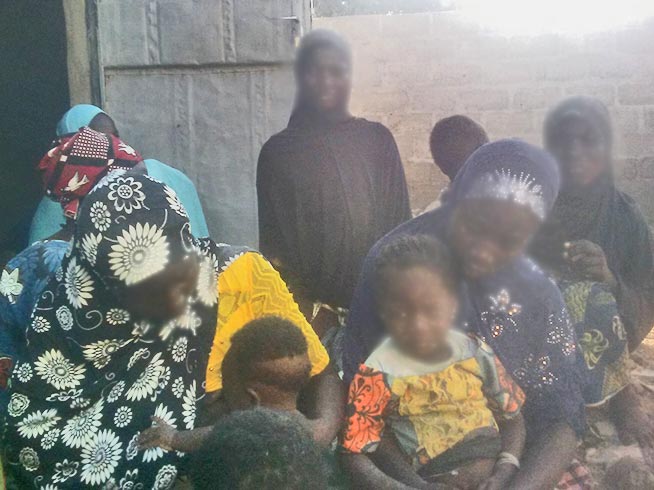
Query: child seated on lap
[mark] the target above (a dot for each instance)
(441, 394)
(267, 365)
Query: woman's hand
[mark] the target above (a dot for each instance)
(502, 475)
(588, 261)
(159, 435)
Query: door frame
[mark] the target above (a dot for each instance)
(95, 70)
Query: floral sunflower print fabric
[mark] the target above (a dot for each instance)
(95, 372)
(602, 338)
(21, 283)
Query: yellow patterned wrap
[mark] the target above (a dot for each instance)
(248, 289)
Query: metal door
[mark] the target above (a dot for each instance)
(200, 85)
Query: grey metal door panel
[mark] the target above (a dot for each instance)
(200, 85)
(210, 124)
(153, 32)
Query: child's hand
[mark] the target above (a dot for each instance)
(161, 434)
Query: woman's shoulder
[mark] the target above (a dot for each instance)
(630, 209)
(374, 127)
(431, 223)
(41, 247)
(224, 255)
(280, 141)
(227, 255)
(525, 267)
(527, 284)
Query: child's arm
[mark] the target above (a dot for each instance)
(325, 397)
(393, 462)
(513, 442)
(167, 437)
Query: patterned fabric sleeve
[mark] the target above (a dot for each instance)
(368, 398)
(21, 284)
(505, 397)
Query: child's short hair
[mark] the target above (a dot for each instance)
(407, 251)
(453, 140)
(265, 339)
(259, 449)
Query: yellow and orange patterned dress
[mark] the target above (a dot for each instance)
(249, 288)
(430, 407)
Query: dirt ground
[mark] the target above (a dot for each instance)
(602, 448)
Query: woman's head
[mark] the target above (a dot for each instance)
(416, 289)
(323, 71)
(578, 133)
(81, 115)
(71, 169)
(498, 202)
(133, 232)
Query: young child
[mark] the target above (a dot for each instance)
(440, 394)
(267, 366)
(259, 449)
(452, 140)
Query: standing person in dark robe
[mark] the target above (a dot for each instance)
(329, 185)
(598, 246)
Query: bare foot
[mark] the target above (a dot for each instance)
(632, 422)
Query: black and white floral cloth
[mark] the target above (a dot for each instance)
(95, 373)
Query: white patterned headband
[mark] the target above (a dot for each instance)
(504, 185)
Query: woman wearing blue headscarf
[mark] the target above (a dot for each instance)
(495, 205)
(49, 218)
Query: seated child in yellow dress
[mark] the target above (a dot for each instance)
(431, 407)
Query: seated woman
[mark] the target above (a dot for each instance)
(68, 176)
(440, 394)
(495, 206)
(48, 218)
(328, 186)
(121, 333)
(598, 246)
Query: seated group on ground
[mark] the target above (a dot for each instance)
(361, 348)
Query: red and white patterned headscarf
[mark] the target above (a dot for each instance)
(77, 163)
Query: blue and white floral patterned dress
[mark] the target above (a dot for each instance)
(95, 373)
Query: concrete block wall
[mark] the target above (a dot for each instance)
(413, 69)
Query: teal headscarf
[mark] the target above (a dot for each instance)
(49, 217)
(186, 191)
(76, 117)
